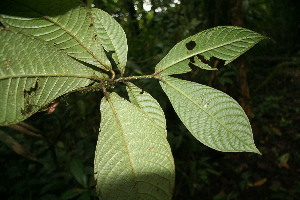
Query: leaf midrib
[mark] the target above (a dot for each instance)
(111, 40)
(48, 75)
(68, 32)
(150, 118)
(206, 50)
(182, 93)
(115, 114)
(77, 40)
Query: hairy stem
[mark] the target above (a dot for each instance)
(121, 79)
(113, 75)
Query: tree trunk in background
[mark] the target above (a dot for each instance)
(132, 17)
(217, 15)
(220, 12)
(245, 98)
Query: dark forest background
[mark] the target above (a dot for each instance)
(265, 81)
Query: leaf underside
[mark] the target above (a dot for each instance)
(65, 24)
(32, 76)
(112, 37)
(133, 159)
(148, 105)
(213, 117)
(224, 42)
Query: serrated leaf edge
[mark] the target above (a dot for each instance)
(203, 110)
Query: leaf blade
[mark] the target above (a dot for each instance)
(147, 104)
(65, 24)
(133, 159)
(34, 73)
(112, 37)
(213, 117)
(233, 42)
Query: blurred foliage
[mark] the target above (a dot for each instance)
(63, 168)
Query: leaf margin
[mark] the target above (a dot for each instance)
(164, 83)
(180, 52)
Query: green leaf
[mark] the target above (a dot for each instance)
(213, 117)
(71, 193)
(65, 24)
(77, 169)
(112, 37)
(225, 42)
(34, 73)
(178, 68)
(133, 158)
(148, 105)
(197, 62)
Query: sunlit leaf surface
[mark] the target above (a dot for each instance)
(147, 104)
(133, 159)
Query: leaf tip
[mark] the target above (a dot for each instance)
(257, 151)
(254, 150)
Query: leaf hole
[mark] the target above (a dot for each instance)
(190, 45)
(191, 65)
(201, 58)
(192, 60)
(32, 90)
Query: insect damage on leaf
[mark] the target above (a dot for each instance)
(29, 92)
(200, 62)
(27, 109)
(202, 59)
(28, 95)
(190, 45)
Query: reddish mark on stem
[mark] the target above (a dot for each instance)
(52, 107)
